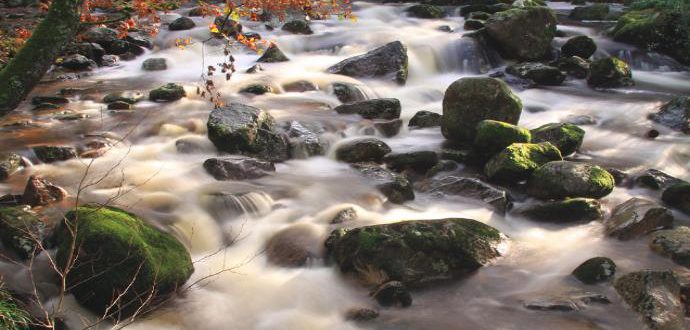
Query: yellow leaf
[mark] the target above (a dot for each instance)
(226, 10)
(214, 28)
(235, 16)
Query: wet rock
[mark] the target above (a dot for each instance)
(415, 252)
(539, 73)
(519, 160)
(562, 179)
(595, 270)
(678, 196)
(50, 154)
(108, 39)
(423, 119)
(566, 137)
(300, 86)
(392, 293)
(594, 12)
(523, 33)
(470, 188)
(581, 120)
(128, 97)
(655, 179)
(567, 211)
(394, 186)
(78, 62)
(9, 163)
(445, 28)
(494, 136)
(362, 150)
(343, 216)
(443, 165)
(237, 168)
(119, 255)
(673, 243)
(580, 46)
(255, 68)
(388, 62)
(21, 231)
(425, 11)
(41, 192)
(468, 101)
(361, 314)
(257, 89)
(387, 108)
(273, 54)
(609, 73)
(191, 145)
(419, 161)
(675, 114)
(304, 141)
(567, 302)
(655, 295)
(119, 105)
(619, 177)
(154, 64)
(58, 100)
(227, 26)
(139, 39)
(295, 246)
(348, 93)
(90, 50)
(389, 128)
(473, 24)
(167, 93)
(573, 66)
(637, 217)
(181, 24)
(110, 60)
(297, 27)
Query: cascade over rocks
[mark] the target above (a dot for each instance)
(388, 62)
(523, 33)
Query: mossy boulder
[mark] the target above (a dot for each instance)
(415, 252)
(388, 61)
(674, 114)
(673, 243)
(566, 211)
(426, 11)
(580, 46)
(385, 108)
(21, 231)
(540, 73)
(396, 187)
(523, 33)
(424, 119)
(297, 27)
(609, 72)
(273, 54)
(364, 149)
(51, 154)
(130, 97)
(517, 162)
(594, 12)
(637, 217)
(154, 64)
(9, 163)
(566, 137)
(678, 196)
(167, 93)
(595, 270)
(467, 101)
(657, 30)
(14, 317)
(118, 253)
(494, 136)
(655, 295)
(563, 179)
(574, 66)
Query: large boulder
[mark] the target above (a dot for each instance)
(566, 211)
(387, 108)
(241, 129)
(517, 162)
(540, 73)
(394, 186)
(594, 12)
(388, 61)
(364, 149)
(494, 136)
(562, 179)
(78, 62)
(566, 137)
(637, 217)
(674, 114)
(678, 196)
(9, 163)
(118, 255)
(468, 101)
(523, 33)
(674, 243)
(595, 270)
(21, 231)
(609, 72)
(657, 30)
(237, 168)
(580, 46)
(655, 295)
(415, 252)
(469, 188)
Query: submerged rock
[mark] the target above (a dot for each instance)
(494, 136)
(388, 62)
(569, 210)
(9, 163)
(21, 231)
(305, 140)
(655, 179)
(415, 252)
(359, 150)
(562, 179)
(470, 188)
(389, 128)
(655, 295)
(566, 137)
(580, 46)
(394, 186)
(154, 64)
(675, 114)
(609, 73)
(419, 161)
(51, 154)
(295, 246)
(637, 217)
(673, 243)
(347, 93)
(273, 54)
(41, 192)
(517, 162)
(257, 89)
(119, 255)
(423, 119)
(237, 168)
(523, 33)
(130, 97)
(567, 302)
(167, 93)
(361, 314)
(539, 73)
(425, 11)
(467, 101)
(678, 196)
(181, 24)
(387, 108)
(595, 270)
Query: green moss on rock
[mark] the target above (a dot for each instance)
(563, 179)
(12, 317)
(566, 137)
(569, 210)
(609, 73)
(517, 162)
(166, 93)
(494, 136)
(21, 230)
(595, 270)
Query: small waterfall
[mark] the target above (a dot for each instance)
(468, 55)
(225, 206)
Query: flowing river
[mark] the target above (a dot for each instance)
(151, 178)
